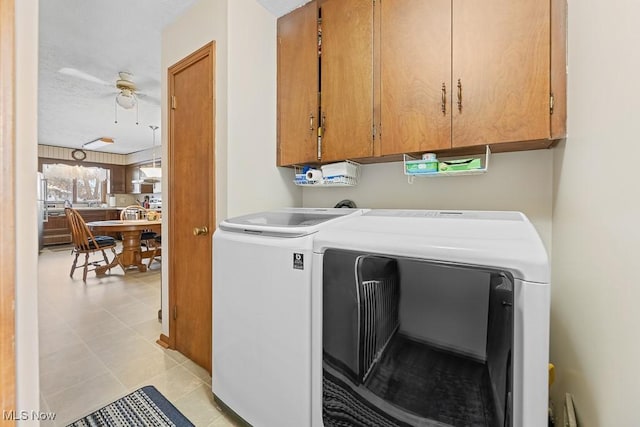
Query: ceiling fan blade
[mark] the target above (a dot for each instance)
(148, 98)
(82, 75)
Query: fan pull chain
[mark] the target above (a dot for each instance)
(115, 104)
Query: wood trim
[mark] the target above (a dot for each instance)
(163, 341)
(377, 81)
(206, 50)
(559, 68)
(7, 210)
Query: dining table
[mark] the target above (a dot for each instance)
(131, 230)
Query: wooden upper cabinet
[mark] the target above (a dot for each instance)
(432, 75)
(346, 85)
(501, 71)
(118, 179)
(298, 86)
(415, 51)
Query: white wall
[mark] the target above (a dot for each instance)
(205, 21)
(245, 36)
(255, 183)
(515, 181)
(596, 230)
(27, 360)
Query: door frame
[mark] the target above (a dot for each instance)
(7, 210)
(207, 50)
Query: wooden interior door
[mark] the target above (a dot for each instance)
(346, 86)
(298, 86)
(501, 54)
(7, 210)
(415, 51)
(191, 203)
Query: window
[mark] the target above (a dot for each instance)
(75, 183)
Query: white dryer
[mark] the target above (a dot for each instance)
(262, 265)
(430, 318)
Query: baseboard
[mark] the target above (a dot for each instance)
(163, 341)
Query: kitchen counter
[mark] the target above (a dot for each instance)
(85, 208)
(56, 229)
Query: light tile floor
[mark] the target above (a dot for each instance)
(98, 343)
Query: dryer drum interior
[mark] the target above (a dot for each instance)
(409, 342)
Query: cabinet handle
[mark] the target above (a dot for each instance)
(443, 105)
(311, 122)
(459, 95)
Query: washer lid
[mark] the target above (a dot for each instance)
(504, 240)
(289, 222)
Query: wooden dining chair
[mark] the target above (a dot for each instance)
(84, 242)
(154, 246)
(147, 237)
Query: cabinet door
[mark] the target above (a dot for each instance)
(501, 54)
(118, 179)
(298, 86)
(346, 82)
(415, 52)
(128, 179)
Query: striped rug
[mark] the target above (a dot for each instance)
(145, 407)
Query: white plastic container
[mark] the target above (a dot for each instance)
(348, 169)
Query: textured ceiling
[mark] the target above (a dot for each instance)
(280, 7)
(101, 38)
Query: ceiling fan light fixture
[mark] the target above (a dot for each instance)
(126, 99)
(97, 143)
(152, 173)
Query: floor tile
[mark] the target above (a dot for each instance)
(134, 312)
(122, 352)
(175, 355)
(58, 339)
(224, 421)
(82, 399)
(98, 343)
(198, 406)
(68, 367)
(173, 383)
(199, 371)
(139, 368)
(149, 329)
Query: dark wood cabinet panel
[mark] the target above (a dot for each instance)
(325, 80)
(346, 79)
(444, 76)
(415, 50)
(501, 70)
(56, 229)
(298, 86)
(118, 179)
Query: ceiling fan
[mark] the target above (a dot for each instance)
(128, 94)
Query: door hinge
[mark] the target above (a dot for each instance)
(173, 102)
(175, 312)
(321, 131)
(374, 131)
(551, 103)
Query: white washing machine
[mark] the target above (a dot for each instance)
(262, 265)
(430, 318)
